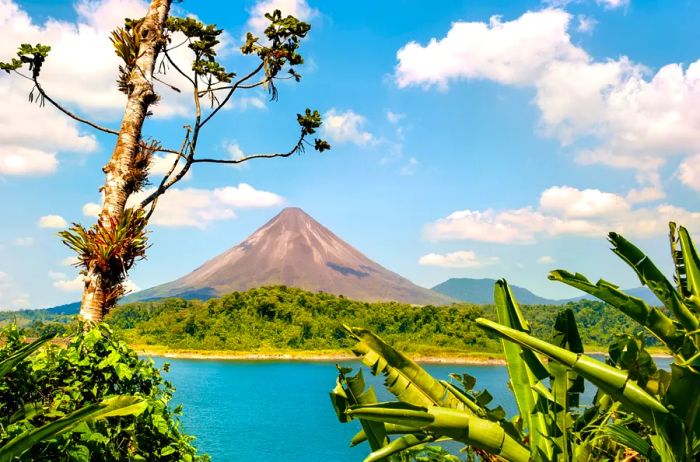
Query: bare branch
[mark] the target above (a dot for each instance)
(298, 147)
(161, 187)
(71, 114)
(230, 93)
(177, 68)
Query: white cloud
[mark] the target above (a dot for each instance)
(459, 259)
(130, 286)
(689, 172)
(574, 203)
(612, 4)
(394, 117)
(70, 261)
(545, 260)
(512, 52)
(243, 103)
(91, 209)
(300, 9)
(410, 167)
(161, 165)
(70, 285)
(57, 275)
(585, 24)
(590, 213)
(18, 160)
(52, 221)
(195, 207)
(245, 196)
(24, 241)
(637, 119)
(346, 127)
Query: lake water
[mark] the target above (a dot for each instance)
(268, 410)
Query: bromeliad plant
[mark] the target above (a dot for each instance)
(640, 412)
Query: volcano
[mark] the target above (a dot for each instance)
(295, 250)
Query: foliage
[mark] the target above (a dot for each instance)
(285, 318)
(111, 250)
(73, 386)
(639, 411)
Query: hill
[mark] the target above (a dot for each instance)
(295, 250)
(480, 291)
(284, 318)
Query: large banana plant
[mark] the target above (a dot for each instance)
(651, 415)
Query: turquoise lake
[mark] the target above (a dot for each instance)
(268, 410)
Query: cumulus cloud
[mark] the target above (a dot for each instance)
(638, 118)
(689, 172)
(459, 259)
(346, 127)
(562, 211)
(394, 117)
(52, 221)
(545, 260)
(70, 261)
(300, 9)
(70, 285)
(195, 207)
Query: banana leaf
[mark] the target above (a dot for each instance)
(687, 264)
(350, 391)
(611, 380)
(651, 318)
(653, 278)
(111, 407)
(398, 445)
(526, 372)
(403, 377)
(458, 424)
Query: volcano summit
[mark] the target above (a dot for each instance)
(295, 250)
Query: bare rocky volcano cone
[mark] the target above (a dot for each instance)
(295, 250)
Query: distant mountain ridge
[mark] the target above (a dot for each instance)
(295, 250)
(480, 291)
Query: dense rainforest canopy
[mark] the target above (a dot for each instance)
(285, 318)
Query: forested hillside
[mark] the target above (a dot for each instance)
(283, 318)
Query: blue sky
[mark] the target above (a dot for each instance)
(470, 139)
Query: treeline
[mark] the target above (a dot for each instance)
(284, 318)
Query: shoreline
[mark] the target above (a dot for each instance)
(488, 359)
(475, 359)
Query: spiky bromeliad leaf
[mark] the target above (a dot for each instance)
(526, 372)
(7, 364)
(110, 407)
(611, 380)
(404, 378)
(458, 424)
(651, 318)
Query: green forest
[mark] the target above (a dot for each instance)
(283, 318)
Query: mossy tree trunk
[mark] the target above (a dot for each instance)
(99, 286)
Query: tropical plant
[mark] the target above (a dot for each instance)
(639, 411)
(108, 250)
(92, 399)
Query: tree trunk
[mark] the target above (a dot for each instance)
(116, 191)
